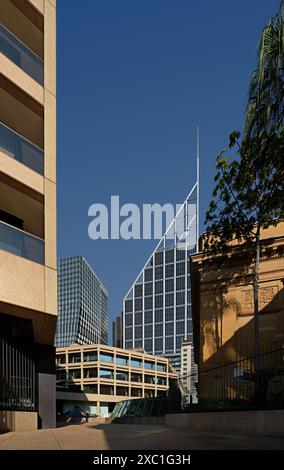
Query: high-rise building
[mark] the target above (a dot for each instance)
(82, 304)
(28, 277)
(188, 370)
(157, 308)
(117, 331)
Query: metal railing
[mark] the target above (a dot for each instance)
(16, 146)
(17, 377)
(238, 385)
(21, 55)
(21, 243)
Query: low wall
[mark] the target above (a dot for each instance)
(18, 421)
(266, 422)
(139, 420)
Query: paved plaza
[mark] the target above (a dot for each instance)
(129, 436)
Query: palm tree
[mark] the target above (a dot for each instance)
(265, 109)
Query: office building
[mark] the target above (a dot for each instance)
(28, 277)
(157, 307)
(82, 304)
(117, 330)
(96, 377)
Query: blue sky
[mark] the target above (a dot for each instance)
(134, 80)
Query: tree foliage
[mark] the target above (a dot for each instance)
(265, 109)
(249, 193)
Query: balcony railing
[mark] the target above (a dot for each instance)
(21, 149)
(21, 243)
(21, 55)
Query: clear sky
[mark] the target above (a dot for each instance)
(135, 78)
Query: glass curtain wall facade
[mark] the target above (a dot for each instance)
(82, 305)
(157, 308)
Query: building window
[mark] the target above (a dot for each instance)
(170, 270)
(148, 273)
(138, 318)
(121, 360)
(170, 285)
(179, 340)
(169, 328)
(90, 356)
(161, 367)
(148, 317)
(180, 269)
(180, 313)
(158, 345)
(169, 344)
(106, 374)
(158, 316)
(159, 272)
(159, 258)
(73, 358)
(159, 329)
(169, 314)
(148, 331)
(180, 283)
(169, 300)
(138, 344)
(136, 392)
(138, 289)
(180, 298)
(138, 305)
(104, 357)
(180, 327)
(90, 373)
(169, 256)
(148, 345)
(136, 377)
(138, 332)
(121, 375)
(159, 287)
(128, 333)
(149, 365)
(161, 381)
(129, 319)
(136, 363)
(159, 301)
(149, 379)
(106, 390)
(122, 391)
(148, 288)
(74, 374)
(128, 306)
(148, 303)
(180, 255)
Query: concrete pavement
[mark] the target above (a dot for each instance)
(129, 436)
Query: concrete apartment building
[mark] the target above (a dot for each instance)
(96, 377)
(28, 277)
(223, 314)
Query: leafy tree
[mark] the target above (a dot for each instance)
(248, 197)
(265, 109)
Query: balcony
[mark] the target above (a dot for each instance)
(21, 149)
(21, 55)
(21, 243)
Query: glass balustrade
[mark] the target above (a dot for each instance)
(21, 55)
(21, 149)
(21, 243)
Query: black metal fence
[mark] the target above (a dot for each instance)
(240, 385)
(17, 376)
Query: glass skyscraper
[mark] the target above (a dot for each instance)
(82, 305)
(157, 308)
